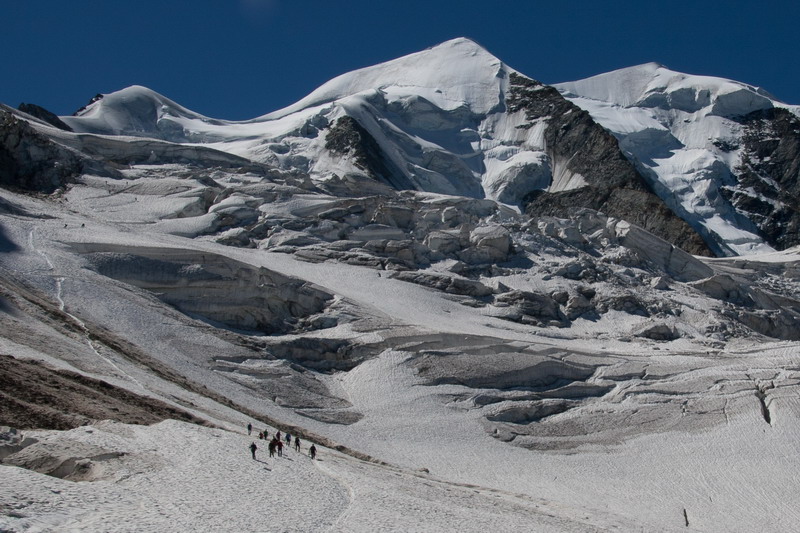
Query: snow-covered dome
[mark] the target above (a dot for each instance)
(654, 85)
(455, 73)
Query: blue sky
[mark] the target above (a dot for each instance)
(238, 59)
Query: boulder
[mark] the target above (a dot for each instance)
(444, 242)
(532, 304)
(494, 239)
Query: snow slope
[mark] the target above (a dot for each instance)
(437, 115)
(159, 487)
(712, 456)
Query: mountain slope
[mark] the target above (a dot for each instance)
(451, 120)
(404, 278)
(721, 154)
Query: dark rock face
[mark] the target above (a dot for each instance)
(29, 161)
(573, 135)
(94, 99)
(768, 188)
(43, 114)
(613, 184)
(348, 137)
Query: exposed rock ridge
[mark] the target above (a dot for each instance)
(38, 396)
(613, 184)
(43, 114)
(348, 137)
(768, 189)
(31, 162)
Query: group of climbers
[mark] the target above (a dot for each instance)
(276, 444)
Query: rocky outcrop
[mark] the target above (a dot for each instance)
(613, 185)
(571, 135)
(349, 138)
(36, 396)
(43, 114)
(31, 162)
(767, 191)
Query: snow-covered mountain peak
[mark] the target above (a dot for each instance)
(454, 119)
(141, 112)
(455, 282)
(652, 85)
(136, 111)
(453, 74)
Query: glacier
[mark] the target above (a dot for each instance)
(405, 269)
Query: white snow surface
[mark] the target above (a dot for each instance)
(443, 471)
(438, 115)
(455, 73)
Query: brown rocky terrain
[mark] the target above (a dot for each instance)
(36, 396)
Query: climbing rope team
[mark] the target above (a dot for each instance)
(276, 443)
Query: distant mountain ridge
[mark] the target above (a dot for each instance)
(448, 120)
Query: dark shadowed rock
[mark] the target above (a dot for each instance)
(613, 185)
(36, 396)
(31, 162)
(768, 188)
(348, 137)
(43, 114)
